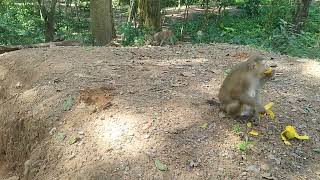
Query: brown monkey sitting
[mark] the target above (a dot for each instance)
(239, 93)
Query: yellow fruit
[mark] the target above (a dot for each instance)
(268, 70)
(268, 108)
(254, 133)
(290, 133)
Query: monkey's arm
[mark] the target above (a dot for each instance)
(251, 101)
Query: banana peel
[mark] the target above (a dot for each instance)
(290, 133)
(269, 112)
(254, 133)
(268, 71)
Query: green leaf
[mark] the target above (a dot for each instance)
(204, 126)
(160, 165)
(243, 146)
(74, 140)
(317, 150)
(68, 103)
(227, 71)
(61, 136)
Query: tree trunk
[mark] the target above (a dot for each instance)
(150, 14)
(49, 30)
(48, 15)
(301, 14)
(102, 21)
(133, 10)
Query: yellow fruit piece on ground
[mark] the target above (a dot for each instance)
(290, 133)
(254, 133)
(269, 112)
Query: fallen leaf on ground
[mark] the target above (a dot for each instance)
(61, 136)
(160, 165)
(204, 126)
(317, 150)
(74, 140)
(68, 103)
(249, 124)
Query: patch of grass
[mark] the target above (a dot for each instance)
(245, 145)
(237, 129)
(269, 30)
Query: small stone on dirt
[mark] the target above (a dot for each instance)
(130, 133)
(13, 178)
(244, 174)
(81, 133)
(52, 131)
(222, 115)
(193, 163)
(265, 167)
(146, 136)
(268, 176)
(272, 157)
(253, 168)
(187, 74)
(18, 85)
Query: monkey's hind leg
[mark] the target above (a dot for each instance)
(161, 42)
(233, 108)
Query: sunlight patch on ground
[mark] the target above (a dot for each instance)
(121, 131)
(178, 61)
(311, 68)
(29, 96)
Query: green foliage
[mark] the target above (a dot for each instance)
(259, 23)
(252, 7)
(19, 24)
(245, 145)
(269, 30)
(132, 35)
(74, 25)
(237, 129)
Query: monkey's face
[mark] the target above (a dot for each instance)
(258, 68)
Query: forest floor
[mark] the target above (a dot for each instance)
(126, 113)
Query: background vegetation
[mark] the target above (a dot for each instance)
(266, 24)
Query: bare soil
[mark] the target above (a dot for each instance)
(110, 113)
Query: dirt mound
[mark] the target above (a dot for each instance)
(110, 113)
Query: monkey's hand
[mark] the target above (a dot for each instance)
(261, 109)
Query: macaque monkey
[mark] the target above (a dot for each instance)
(163, 36)
(239, 93)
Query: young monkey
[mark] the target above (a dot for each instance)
(163, 36)
(239, 93)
